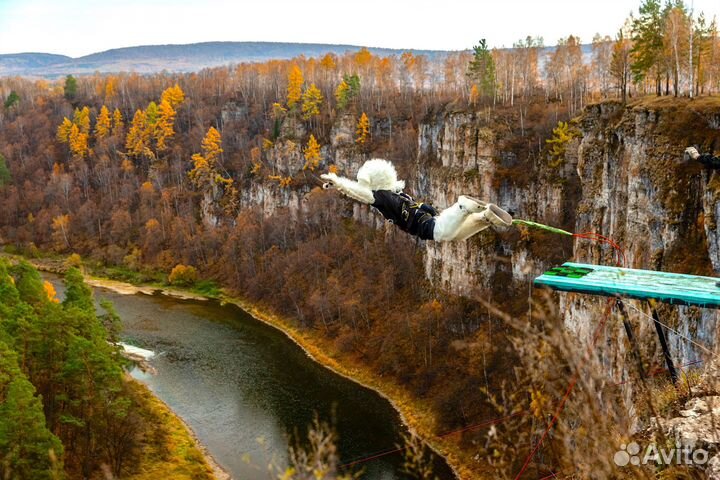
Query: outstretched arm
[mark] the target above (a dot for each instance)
(351, 188)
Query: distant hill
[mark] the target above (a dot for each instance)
(173, 58)
(28, 61)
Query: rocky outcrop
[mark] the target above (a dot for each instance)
(622, 177)
(637, 189)
(466, 153)
(696, 427)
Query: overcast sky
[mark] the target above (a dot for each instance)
(80, 27)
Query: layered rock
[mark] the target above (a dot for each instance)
(622, 177)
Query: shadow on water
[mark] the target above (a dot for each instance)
(243, 387)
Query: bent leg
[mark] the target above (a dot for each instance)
(473, 224)
(450, 219)
(477, 222)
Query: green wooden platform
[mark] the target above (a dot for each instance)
(673, 288)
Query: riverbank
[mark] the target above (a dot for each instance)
(416, 415)
(169, 448)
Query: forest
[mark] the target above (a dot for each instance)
(149, 176)
(66, 409)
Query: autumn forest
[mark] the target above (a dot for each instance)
(145, 177)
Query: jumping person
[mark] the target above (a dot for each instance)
(377, 185)
(706, 159)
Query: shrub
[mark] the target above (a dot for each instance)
(73, 261)
(183, 275)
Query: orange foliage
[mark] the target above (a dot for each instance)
(50, 292)
(295, 83)
(183, 275)
(102, 126)
(362, 134)
(312, 154)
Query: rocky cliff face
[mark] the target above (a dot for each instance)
(472, 154)
(622, 177)
(637, 189)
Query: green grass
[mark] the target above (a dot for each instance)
(207, 288)
(125, 274)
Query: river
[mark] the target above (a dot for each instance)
(244, 387)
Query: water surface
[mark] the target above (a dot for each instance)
(243, 387)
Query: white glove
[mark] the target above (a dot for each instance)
(330, 179)
(692, 152)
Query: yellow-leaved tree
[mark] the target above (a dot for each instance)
(81, 118)
(474, 94)
(102, 126)
(328, 62)
(137, 139)
(165, 127)
(205, 164)
(562, 136)
(163, 123)
(50, 292)
(295, 83)
(78, 142)
(118, 122)
(362, 134)
(76, 133)
(174, 95)
(312, 154)
(311, 101)
(110, 88)
(184, 275)
(218, 191)
(363, 57)
(63, 130)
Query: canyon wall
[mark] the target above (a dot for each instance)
(622, 175)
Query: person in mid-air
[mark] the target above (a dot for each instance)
(707, 159)
(377, 185)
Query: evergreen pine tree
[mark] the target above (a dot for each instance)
(28, 450)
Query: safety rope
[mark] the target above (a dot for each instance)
(621, 258)
(702, 347)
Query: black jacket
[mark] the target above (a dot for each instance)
(709, 160)
(414, 218)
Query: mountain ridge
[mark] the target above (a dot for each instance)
(175, 57)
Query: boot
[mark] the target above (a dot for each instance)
(497, 216)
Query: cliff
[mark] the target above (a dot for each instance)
(622, 175)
